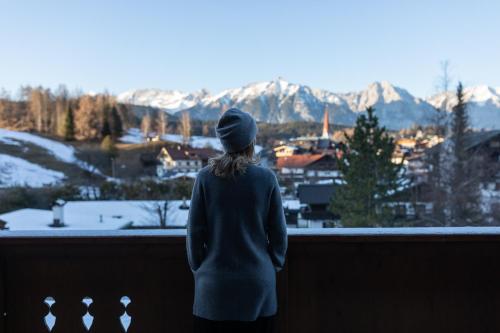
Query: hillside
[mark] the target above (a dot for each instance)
(34, 160)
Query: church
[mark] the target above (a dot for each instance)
(320, 144)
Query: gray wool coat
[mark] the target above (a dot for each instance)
(236, 242)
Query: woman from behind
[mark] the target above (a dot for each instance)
(236, 235)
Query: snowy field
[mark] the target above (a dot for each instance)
(17, 171)
(104, 215)
(134, 135)
(60, 151)
(98, 215)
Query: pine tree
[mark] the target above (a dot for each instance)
(105, 127)
(464, 202)
(116, 123)
(370, 178)
(108, 146)
(69, 125)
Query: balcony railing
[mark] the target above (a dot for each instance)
(336, 280)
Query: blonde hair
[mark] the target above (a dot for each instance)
(228, 164)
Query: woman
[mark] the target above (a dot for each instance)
(236, 235)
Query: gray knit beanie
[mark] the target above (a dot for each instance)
(236, 129)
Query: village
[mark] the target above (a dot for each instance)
(307, 169)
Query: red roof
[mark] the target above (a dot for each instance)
(297, 161)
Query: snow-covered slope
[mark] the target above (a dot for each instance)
(483, 103)
(59, 150)
(16, 171)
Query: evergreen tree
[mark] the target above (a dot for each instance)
(464, 196)
(105, 127)
(69, 125)
(108, 145)
(370, 178)
(116, 123)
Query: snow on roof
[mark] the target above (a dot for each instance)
(18, 171)
(98, 215)
(27, 219)
(182, 174)
(291, 204)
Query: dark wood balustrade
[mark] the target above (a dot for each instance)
(365, 280)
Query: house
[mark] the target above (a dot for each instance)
(315, 199)
(183, 159)
(485, 147)
(307, 166)
(292, 209)
(285, 150)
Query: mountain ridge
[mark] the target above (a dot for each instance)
(279, 101)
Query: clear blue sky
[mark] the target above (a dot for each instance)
(189, 45)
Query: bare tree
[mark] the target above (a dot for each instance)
(4, 108)
(185, 127)
(205, 130)
(87, 118)
(146, 124)
(158, 211)
(36, 108)
(61, 106)
(445, 79)
(438, 193)
(162, 123)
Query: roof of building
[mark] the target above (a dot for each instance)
(473, 139)
(98, 215)
(285, 147)
(297, 161)
(315, 193)
(180, 152)
(407, 142)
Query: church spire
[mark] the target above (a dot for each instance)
(325, 134)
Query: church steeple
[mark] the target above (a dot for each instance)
(325, 134)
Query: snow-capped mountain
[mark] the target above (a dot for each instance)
(395, 107)
(280, 101)
(276, 101)
(483, 105)
(169, 100)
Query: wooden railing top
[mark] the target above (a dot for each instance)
(295, 234)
